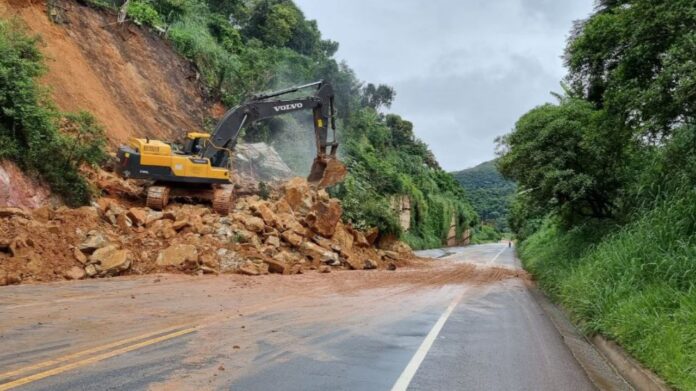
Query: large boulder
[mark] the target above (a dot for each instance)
(250, 268)
(275, 265)
(264, 211)
(108, 261)
(124, 223)
(102, 253)
(359, 239)
(91, 271)
(138, 216)
(273, 241)
(355, 262)
(324, 217)
(343, 237)
(292, 238)
(229, 260)
(115, 263)
(297, 193)
(252, 223)
(178, 255)
(319, 254)
(287, 221)
(261, 162)
(94, 241)
(79, 256)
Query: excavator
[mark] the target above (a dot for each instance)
(202, 168)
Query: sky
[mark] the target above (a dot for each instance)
(464, 70)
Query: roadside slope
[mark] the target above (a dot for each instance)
(130, 79)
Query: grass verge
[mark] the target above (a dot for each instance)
(633, 284)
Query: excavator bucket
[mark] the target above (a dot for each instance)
(326, 171)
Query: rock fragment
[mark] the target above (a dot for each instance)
(7, 212)
(178, 255)
(324, 217)
(94, 241)
(75, 273)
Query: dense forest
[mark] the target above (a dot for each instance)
(607, 203)
(240, 48)
(489, 192)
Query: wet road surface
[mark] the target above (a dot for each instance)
(445, 326)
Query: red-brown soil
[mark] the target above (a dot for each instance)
(128, 77)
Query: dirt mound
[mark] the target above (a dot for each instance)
(299, 229)
(128, 77)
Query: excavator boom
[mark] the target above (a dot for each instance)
(224, 137)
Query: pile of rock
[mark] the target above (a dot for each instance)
(298, 229)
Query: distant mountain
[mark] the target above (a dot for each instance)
(488, 191)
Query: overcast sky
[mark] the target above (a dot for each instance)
(463, 70)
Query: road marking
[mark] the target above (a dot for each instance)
(404, 380)
(406, 377)
(496, 257)
(97, 349)
(91, 360)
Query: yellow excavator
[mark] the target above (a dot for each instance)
(201, 169)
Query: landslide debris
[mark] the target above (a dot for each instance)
(297, 229)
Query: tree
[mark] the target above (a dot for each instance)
(635, 58)
(378, 96)
(569, 159)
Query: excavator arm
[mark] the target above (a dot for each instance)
(224, 137)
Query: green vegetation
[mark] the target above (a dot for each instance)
(607, 199)
(489, 192)
(385, 159)
(633, 284)
(485, 234)
(33, 132)
(243, 47)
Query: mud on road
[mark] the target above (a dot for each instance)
(238, 323)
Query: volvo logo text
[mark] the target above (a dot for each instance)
(292, 106)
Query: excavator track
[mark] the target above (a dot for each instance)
(223, 199)
(157, 197)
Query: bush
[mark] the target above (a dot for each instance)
(143, 12)
(30, 124)
(486, 234)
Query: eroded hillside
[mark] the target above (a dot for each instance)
(128, 77)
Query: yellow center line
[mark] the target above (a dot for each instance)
(59, 360)
(93, 359)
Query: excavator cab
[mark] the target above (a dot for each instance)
(194, 143)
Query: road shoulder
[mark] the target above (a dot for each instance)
(598, 368)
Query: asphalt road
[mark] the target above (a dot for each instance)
(450, 326)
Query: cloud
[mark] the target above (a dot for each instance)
(464, 70)
(460, 115)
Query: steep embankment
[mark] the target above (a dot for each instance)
(130, 79)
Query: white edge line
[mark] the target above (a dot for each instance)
(404, 380)
(496, 257)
